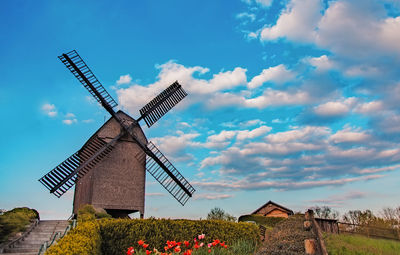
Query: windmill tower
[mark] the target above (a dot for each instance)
(110, 169)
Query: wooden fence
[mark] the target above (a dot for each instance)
(369, 231)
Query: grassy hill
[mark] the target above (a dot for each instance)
(346, 244)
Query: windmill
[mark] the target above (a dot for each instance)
(109, 170)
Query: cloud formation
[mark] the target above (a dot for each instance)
(50, 110)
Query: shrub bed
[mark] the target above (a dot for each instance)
(114, 236)
(119, 234)
(84, 239)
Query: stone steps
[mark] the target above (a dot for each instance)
(43, 232)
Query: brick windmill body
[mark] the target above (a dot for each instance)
(110, 169)
(117, 183)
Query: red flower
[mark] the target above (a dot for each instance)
(209, 250)
(130, 251)
(188, 252)
(140, 242)
(177, 249)
(148, 252)
(186, 243)
(145, 245)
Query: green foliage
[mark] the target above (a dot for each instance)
(15, 220)
(268, 222)
(219, 214)
(118, 234)
(325, 212)
(88, 213)
(114, 236)
(344, 244)
(84, 239)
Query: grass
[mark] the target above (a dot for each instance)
(347, 244)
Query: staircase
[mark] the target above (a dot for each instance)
(44, 231)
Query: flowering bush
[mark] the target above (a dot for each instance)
(179, 248)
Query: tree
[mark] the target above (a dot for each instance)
(219, 214)
(325, 212)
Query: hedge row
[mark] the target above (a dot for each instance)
(114, 236)
(262, 220)
(84, 239)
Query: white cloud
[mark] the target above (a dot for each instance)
(347, 135)
(372, 107)
(69, 115)
(137, 96)
(247, 16)
(280, 185)
(49, 110)
(211, 196)
(277, 74)
(70, 121)
(301, 134)
(322, 63)
(270, 97)
(297, 22)
(335, 108)
(350, 28)
(124, 79)
(264, 3)
(250, 123)
(175, 146)
(249, 134)
(220, 140)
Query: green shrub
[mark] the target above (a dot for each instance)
(84, 239)
(88, 213)
(15, 220)
(114, 236)
(119, 234)
(268, 222)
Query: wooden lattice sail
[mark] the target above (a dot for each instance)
(109, 170)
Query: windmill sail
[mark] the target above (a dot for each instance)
(162, 103)
(82, 72)
(171, 180)
(65, 175)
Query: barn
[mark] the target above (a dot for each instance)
(272, 209)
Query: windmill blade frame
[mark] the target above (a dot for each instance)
(151, 112)
(162, 103)
(165, 179)
(61, 178)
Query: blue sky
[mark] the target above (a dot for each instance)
(291, 101)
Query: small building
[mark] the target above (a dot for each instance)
(271, 209)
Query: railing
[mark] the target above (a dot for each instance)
(55, 237)
(21, 238)
(370, 231)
